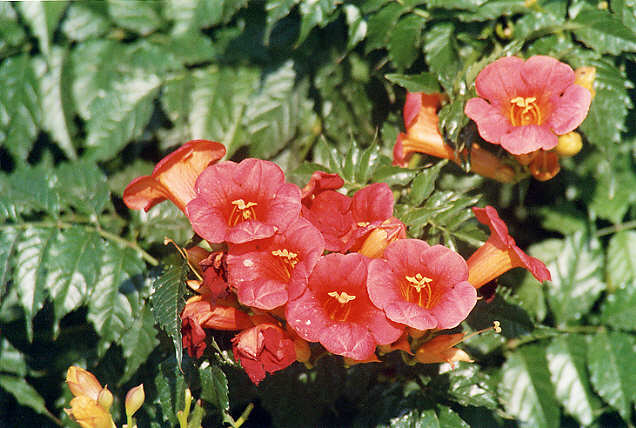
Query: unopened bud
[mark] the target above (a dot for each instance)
(569, 144)
(134, 399)
(105, 398)
(585, 76)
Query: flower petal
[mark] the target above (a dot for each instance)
(491, 123)
(570, 110)
(455, 305)
(373, 203)
(349, 340)
(207, 222)
(526, 139)
(411, 315)
(500, 81)
(546, 76)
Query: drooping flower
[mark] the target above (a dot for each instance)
(525, 105)
(500, 253)
(421, 286)
(174, 176)
(335, 309)
(264, 348)
(441, 349)
(220, 315)
(192, 337)
(265, 271)
(423, 136)
(319, 182)
(242, 202)
(375, 243)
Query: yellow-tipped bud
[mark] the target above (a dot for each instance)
(569, 144)
(134, 399)
(585, 76)
(88, 414)
(105, 398)
(83, 382)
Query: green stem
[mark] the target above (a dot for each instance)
(616, 228)
(515, 343)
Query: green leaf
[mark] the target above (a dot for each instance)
(276, 10)
(515, 322)
(57, 104)
(563, 218)
(139, 16)
(526, 390)
(424, 183)
(33, 189)
(171, 386)
(85, 20)
(214, 387)
(9, 239)
(613, 369)
(356, 26)
(19, 106)
(424, 82)
(74, 264)
(404, 42)
(11, 32)
(577, 278)
(394, 175)
(604, 32)
(167, 303)
(381, 25)
(452, 119)
(11, 359)
(416, 418)
(449, 419)
(218, 102)
(162, 220)
(315, 13)
(612, 196)
(24, 393)
(566, 361)
(470, 386)
(31, 265)
(109, 309)
(621, 259)
(441, 53)
(619, 309)
(138, 342)
(84, 186)
(43, 18)
(121, 115)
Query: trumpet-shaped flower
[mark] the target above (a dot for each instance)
(265, 271)
(335, 309)
(264, 348)
(500, 253)
(174, 176)
(242, 202)
(319, 182)
(441, 349)
(421, 286)
(219, 315)
(88, 414)
(525, 105)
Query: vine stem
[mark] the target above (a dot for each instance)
(616, 228)
(515, 343)
(103, 233)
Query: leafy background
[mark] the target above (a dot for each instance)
(94, 93)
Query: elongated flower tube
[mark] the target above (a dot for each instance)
(500, 253)
(441, 349)
(525, 105)
(423, 136)
(545, 165)
(174, 176)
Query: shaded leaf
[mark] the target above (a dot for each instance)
(84, 186)
(621, 259)
(109, 309)
(214, 388)
(449, 419)
(441, 53)
(11, 32)
(138, 342)
(566, 361)
(33, 189)
(604, 32)
(613, 369)
(167, 303)
(19, 106)
(31, 265)
(314, 13)
(43, 18)
(276, 10)
(619, 309)
(8, 244)
(424, 183)
(563, 218)
(356, 26)
(416, 418)
(381, 25)
(526, 389)
(171, 386)
(424, 82)
(24, 393)
(404, 43)
(11, 359)
(470, 386)
(577, 278)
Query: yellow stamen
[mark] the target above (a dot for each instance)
(242, 211)
(530, 113)
(287, 260)
(342, 297)
(338, 308)
(418, 281)
(412, 290)
(363, 224)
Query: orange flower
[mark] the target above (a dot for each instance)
(88, 414)
(174, 176)
(423, 136)
(82, 382)
(380, 237)
(440, 350)
(220, 316)
(500, 253)
(545, 165)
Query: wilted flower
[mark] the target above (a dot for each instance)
(500, 253)
(174, 176)
(421, 286)
(335, 309)
(220, 315)
(525, 105)
(242, 202)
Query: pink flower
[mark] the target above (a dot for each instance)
(500, 253)
(241, 202)
(174, 176)
(264, 271)
(319, 182)
(524, 105)
(262, 349)
(335, 309)
(421, 286)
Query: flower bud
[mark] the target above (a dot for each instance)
(105, 398)
(585, 76)
(569, 144)
(83, 382)
(134, 399)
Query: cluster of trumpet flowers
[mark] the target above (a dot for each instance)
(530, 108)
(299, 273)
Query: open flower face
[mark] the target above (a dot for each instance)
(524, 105)
(174, 176)
(241, 202)
(421, 286)
(335, 309)
(500, 253)
(265, 271)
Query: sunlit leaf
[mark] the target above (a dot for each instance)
(139, 16)
(84, 186)
(619, 309)
(11, 32)
(424, 82)
(85, 20)
(314, 13)
(621, 259)
(43, 18)
(604, 32)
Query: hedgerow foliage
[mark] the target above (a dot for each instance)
(94, 93)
